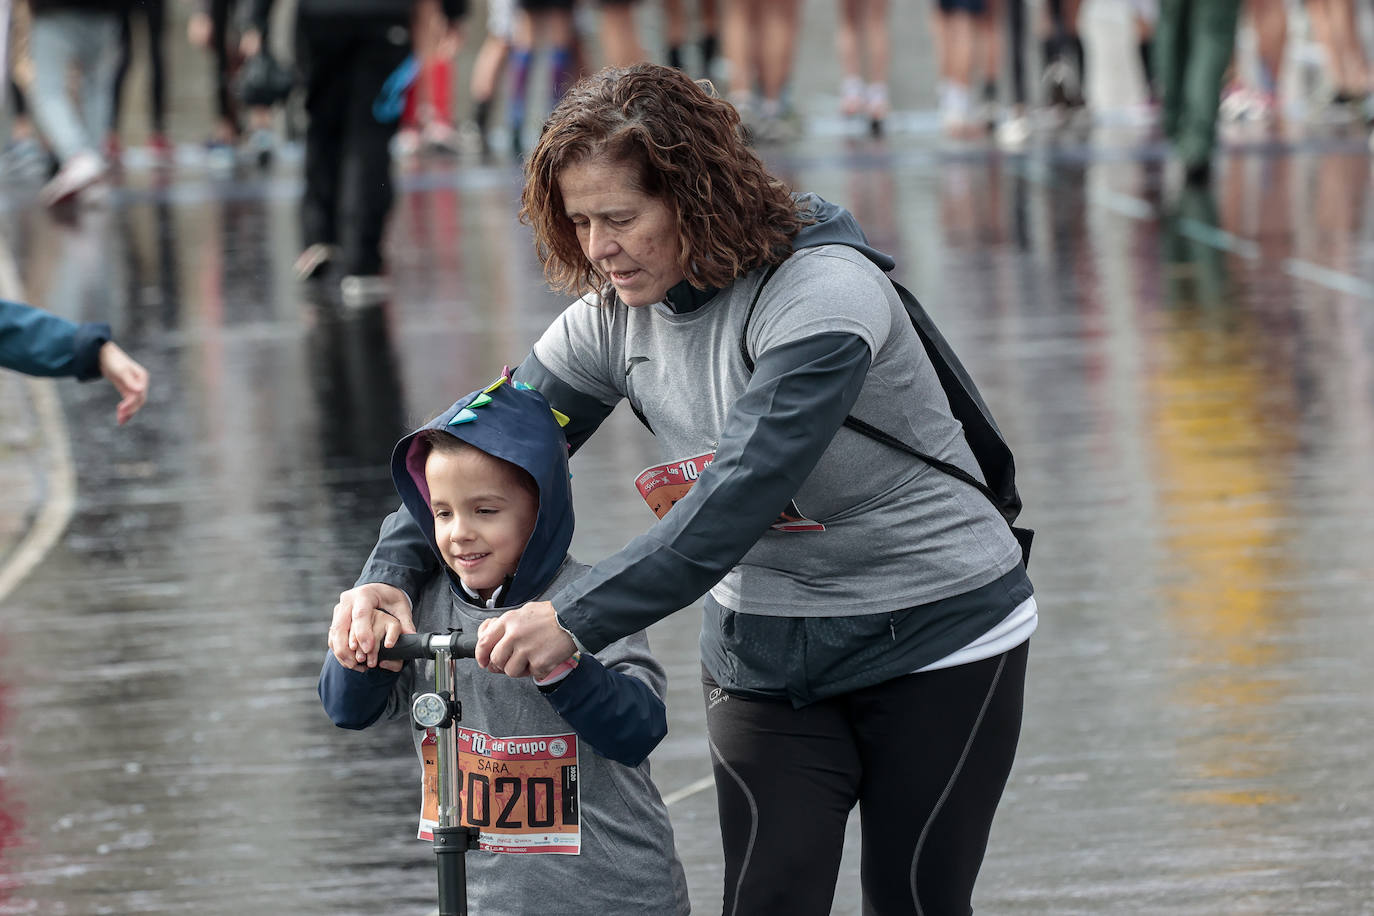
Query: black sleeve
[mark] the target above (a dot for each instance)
(584, 412)
(402, 556)
(616, 713)
(90, 337)
(354, 699)
(775, 433)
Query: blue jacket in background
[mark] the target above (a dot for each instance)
(36, 342)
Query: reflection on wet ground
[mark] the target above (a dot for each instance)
(1187, 376)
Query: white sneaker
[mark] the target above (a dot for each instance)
(440, 137)
(955, 108)
(261, 146)
(1014, 132)
(80, 172)
(366, 289)
(851, 96)
(407, 142)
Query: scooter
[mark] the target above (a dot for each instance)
(440, 710)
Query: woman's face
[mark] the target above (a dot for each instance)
(628, 235)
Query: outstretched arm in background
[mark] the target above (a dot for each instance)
(37, 342)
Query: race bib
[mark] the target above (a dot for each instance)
(520, 793)
(663, 485)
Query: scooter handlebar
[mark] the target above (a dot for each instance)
(425, 645)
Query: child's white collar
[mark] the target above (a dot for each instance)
(493, 602)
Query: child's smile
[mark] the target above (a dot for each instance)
(484, 511)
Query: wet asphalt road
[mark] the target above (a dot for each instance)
(1187, 378)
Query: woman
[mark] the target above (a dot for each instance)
(867, 620)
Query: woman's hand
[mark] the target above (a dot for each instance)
(351, 636)
(525, 642)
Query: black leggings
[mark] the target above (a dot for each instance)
(925, 756)
(154, 12)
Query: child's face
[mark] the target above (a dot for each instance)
(483, 515)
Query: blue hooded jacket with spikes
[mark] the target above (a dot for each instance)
(621, 715)
(510, 421)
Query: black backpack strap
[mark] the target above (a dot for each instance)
(953, 470)
(956, 382)
(855, 423)
(749, 316)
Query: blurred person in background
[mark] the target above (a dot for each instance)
(213, 26)
(1145, 14)
(1015, 129)
(760, 38)
(24, 155)
(1194, 41)
(1063, 59)
(539, 24)
(620, 45)
(1347, 69)
(864, 60)
(153, 13)
(487, 69)
(987, 32)
(677, 34)
(955, 32)
(355, 57)
(427, 122)
(1258, 101)
(80, 35)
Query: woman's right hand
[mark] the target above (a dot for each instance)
(351, 637)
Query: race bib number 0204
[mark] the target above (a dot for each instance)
(520, 793)
(663, 485)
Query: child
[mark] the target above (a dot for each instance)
(488, 480)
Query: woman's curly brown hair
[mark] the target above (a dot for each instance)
(687, 149)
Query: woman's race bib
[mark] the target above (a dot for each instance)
(664, 484)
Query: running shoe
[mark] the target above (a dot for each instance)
(261, 146)
(877, 102)
(360, 290)
(77, 174)
(851, 96)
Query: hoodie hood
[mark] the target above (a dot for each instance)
(833, 225)
(511, 421)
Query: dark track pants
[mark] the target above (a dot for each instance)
(925, 756)
(348, 191)
(1194, 40)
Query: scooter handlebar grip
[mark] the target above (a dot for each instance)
(464, 646)
(408, 646)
